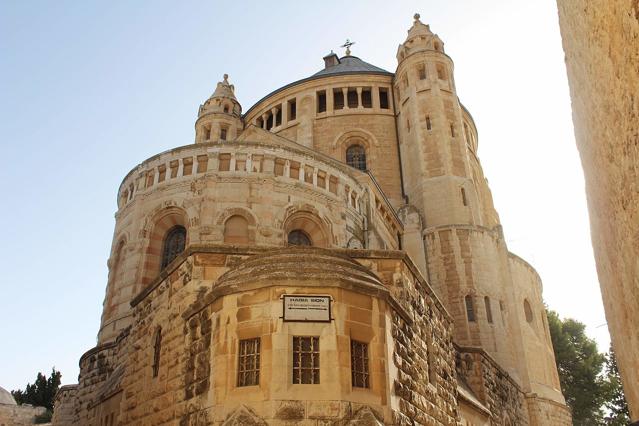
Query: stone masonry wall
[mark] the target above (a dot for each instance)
(600, 39)
(19, 415)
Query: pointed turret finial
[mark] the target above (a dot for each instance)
(226, 78)
(416, 17)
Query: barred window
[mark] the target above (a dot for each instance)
(248, 366)
(356, 157)
(359, 364)
(173, 244)
(306, 360)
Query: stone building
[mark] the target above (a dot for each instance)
(331, 256)
(12, 414)
(601, 42)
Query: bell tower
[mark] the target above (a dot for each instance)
(437, 175)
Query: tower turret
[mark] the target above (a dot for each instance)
(220, 117)
(434, 132)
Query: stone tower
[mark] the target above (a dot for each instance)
(493, 295)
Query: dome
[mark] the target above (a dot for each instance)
(6, 398)
(350, 65)
(300, 264)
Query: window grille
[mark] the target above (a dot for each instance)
(356, 157)
(173, 244)
(306, 360)
(299, 238)
(359, 364)
(470, 308)
(248, 368)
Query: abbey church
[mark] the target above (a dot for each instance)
(330, 256)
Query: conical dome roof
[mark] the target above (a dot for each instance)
(6, 398)
(222, 100)
(418, 29)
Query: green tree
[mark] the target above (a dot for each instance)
(41, 392)
(618, 413)
(580, 366)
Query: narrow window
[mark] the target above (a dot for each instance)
(248, 365)
(359, 364)
(297, 237)
(528, 311)
(353, 102)
(470, 308)
(463, 196)
(157, 345)
(489, 312)
(438, 47)
(428, 124)
(269, 121)
(278, 117)
(408, 125)
(321, 101)
(383, 98)
(292, 109)
(356, 157)
(173, 244)
(226, 109)
(207, 133)
(422, 72)
(502, 309)
(367, 100)
(452, 129)
(306, 360)
(223, 134)
(441, 72)
(338, 99)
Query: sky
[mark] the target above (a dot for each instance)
(88, 90)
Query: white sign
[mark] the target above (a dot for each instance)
(307, 308)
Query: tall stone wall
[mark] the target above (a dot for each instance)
(601, 43)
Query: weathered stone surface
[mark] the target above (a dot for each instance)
(600, 39)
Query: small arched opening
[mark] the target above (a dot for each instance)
(356, 157)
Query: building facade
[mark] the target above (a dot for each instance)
(330, 256)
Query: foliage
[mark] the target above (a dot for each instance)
(616, 405)
(41, 392)
(580, 366)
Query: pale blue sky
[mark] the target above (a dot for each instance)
(90, 89)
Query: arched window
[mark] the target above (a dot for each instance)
(356, 157)
(528, 311)
(489, 312)
(236, 230)
(157, 346)
(298, 238)
(470, 308)
(174, 243)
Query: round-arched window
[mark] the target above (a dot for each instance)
(356, 157)
(298, 238)
(174, 243)
(528, 311)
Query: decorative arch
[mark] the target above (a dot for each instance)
(222, 220)
(233, 211)
(364, 137)
(161, 223)
(310, 224)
